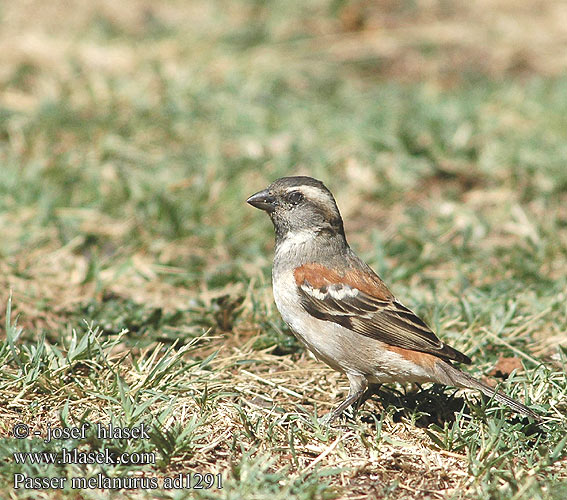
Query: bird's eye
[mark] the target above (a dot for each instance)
(295, 197)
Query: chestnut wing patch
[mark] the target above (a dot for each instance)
(383, 319)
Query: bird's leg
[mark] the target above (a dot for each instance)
(358, 386)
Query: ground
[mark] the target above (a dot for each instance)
(135, 281)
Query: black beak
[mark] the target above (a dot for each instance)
(263, 200)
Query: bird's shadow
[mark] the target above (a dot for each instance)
(424, 407)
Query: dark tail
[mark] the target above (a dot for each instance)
(452, 376)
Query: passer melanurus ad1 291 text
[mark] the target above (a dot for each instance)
(341, 310)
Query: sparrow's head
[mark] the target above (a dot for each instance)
(299, 204)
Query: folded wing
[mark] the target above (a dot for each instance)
(382, 318)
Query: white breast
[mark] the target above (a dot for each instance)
(314, 333)
(294, 243)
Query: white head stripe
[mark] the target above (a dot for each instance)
(312, 192)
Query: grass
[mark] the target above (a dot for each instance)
(136, 282)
